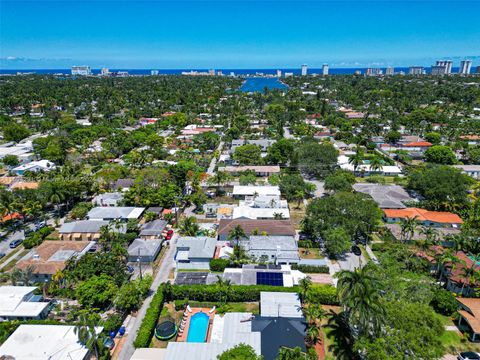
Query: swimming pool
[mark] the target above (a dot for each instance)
(197, 331)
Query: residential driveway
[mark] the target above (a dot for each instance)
(351, 261)
(320, 191)
(211, 168)
(162, 276)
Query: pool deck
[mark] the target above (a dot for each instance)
(183, 337)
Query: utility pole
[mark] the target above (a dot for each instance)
(139, 264)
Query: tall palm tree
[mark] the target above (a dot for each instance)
(219, 179)
(376, 164)
(236, 234)
(357, 159)
(87, 335)
(408, 227)
(189, 226)
(305, 284)
(359, 297)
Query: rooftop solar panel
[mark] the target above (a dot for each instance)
(272, 279)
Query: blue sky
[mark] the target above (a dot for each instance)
(235, 34)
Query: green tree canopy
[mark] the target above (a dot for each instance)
(440, 154)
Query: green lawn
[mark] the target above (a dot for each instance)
(312, 253)
(453, 343)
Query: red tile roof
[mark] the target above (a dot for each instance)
(418, 144)
(424, 215)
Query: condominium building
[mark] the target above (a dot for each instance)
(389, 71)
(447, 64)
(81, 70)
(279, 73)
(325, 69)
(154, 72)
(304, 69)
(465, 67)
(439, 70)
(416, 70)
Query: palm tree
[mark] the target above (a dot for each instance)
(88, 335)
(278, 216)
(304, 285)
(357, 159)
(224, 286)
(408, 227)
(189, 226)
(358, 296)
(376, 164)
(298, 195)
(236, 234)
(219, 179)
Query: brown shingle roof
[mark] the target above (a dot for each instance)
(45, 264)
(473, 317)
(271, 227)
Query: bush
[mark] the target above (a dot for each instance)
(145, 332)
(218, 264)
(444, 302)
(306, 244)
(312, 269)
(322, 294)
(37, 237)
(112, 323)
(180, 304)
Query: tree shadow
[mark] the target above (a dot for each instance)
(341, 341)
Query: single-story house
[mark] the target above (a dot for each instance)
(270, 274)
(244, 191)
(20, 303)
(279, 250)
(153, 229)
(260, 170)
(52, 256)
(441, 232)
(45, 342)
(259, 227)
(145, 250)
(87, 230)
(108, 199)
(124, 213)
(195, 252)
(470, 170)
(247, 212)
(386, 196)
(469, 318)
(271, 201)
(425, 217)
(280, 304)
(34, 166)
(264, 144)
(122, 184)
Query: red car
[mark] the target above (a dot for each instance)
(169, 235)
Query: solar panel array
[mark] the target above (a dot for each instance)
(268, 278)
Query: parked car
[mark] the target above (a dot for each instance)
(2, 255)
(40, 225)
(15, 243)
(169, 235)
(109, 343)
(130, 269)
(93, 248)
(468, 355)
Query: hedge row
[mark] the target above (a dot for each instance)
(218, 265)
(312, 269)
(235, 293)
(37, 237)
(322, 294)
(145, 332)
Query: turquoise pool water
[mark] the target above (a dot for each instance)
(197, 331)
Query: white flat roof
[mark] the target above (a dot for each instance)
(260, 190)
(44, 342)
(259, 213)
(12, 302)
(274, 304)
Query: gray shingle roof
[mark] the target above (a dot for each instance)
(153, 228)
(87, 226)
(386, 196)
(198, 247)
(146, 247)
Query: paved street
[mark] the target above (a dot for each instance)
(161, 277)
(351, 262)
(211, 168)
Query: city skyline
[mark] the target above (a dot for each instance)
(236, 34)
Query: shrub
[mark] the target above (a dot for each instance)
(322, 294)
(180, 304)
(305, 244)
(145, 332)
(218, 264)
(37, 237)
(312, 269)
(444, 302)
(112, 323)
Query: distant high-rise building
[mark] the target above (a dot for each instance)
(439, 70)
(81, 70)
(304, 69)
(389, 71)
(154, 72)
(447, 64)
(478, 70)
(416, 70)
(465, 67)
(369, 72)
(211, 72)
(232, 74)
(325, 69)
(105, 72)
(374, 71)
(358, 72)
(288, 74)
(279, 73)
